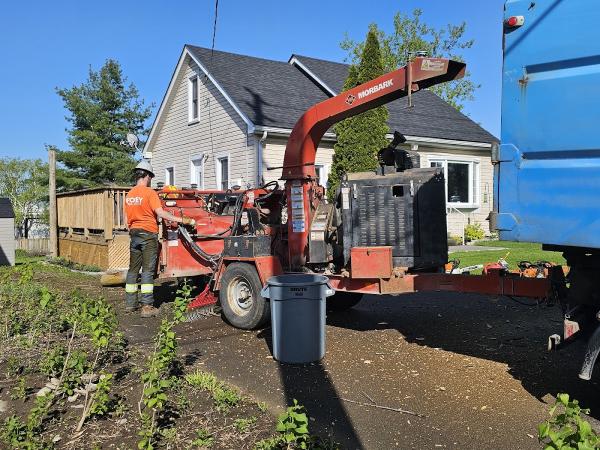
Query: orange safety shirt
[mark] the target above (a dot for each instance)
(140, 204)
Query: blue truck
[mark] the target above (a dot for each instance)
(547, 166)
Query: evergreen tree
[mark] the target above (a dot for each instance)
(411, 34)
(102, 111)
(359, 138)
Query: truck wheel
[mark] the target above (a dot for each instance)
(342, 301)
(240, 298)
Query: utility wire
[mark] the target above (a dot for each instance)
(210, 65)
(212, 48)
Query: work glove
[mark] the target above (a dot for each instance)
(189, 221)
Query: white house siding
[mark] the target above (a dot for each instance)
(219, 131)
(7, 241)
(274, 149)
(458, 217)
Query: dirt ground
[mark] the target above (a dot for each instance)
(474, 369)
(188, 409)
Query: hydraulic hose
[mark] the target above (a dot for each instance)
(211, 258)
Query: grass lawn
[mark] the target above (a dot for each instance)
(22, 257)
(512, 252)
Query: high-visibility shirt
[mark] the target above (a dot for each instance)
(140, 204)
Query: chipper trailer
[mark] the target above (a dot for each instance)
(385, 233)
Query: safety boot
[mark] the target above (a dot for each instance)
(149, 311)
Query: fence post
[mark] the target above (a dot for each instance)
(52, 194)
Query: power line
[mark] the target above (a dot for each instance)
(212, 48)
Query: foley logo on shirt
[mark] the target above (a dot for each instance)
(134, 201)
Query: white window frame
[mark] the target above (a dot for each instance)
(193, 180)
(474, 180)
(191, 118)
(167, 176)
(322, 180)
(218, 158)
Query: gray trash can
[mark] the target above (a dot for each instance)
(298, 316)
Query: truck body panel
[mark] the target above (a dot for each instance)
(547, 179)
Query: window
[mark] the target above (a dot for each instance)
(169, 176)
(322, 174)
(462, 177)
(197, 172)
(193, 100)
(223, 173)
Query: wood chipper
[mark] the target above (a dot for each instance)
(384, 233)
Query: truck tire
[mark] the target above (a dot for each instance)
(240, 298)
(341, 301)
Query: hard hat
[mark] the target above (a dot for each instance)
(145, 165)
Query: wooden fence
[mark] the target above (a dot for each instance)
(39, 246)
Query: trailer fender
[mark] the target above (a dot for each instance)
(266, 266)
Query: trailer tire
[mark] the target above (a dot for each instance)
(240, 298)
(341, 301)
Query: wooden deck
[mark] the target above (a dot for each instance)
(93, 227)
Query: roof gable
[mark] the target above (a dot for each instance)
(6, 209)
(270, 93)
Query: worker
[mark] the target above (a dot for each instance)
(143, 209)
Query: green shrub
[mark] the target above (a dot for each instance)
(101, 404)
(243, 425)
(454, 240)
(19, 435)
(293, 433)
(473, 232)
(567, 430)
(53, 361)
(14, 432)
(204, 439)
(224, 398)
(205, 381)
(20, 390)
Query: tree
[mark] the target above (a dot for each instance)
(25, 183)
(102, 111)
(411, 35)
(360, 137)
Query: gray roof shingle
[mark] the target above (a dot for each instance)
(270, 93)
(430, 116)
(275, 93)
(6, 209)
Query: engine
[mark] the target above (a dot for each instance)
(400, 207)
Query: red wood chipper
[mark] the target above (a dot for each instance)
(384, 233)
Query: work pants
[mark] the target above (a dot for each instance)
(143, 251)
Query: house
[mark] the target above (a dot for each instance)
(225, 120)
(7, 233)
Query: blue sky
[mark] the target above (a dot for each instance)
(45, 45)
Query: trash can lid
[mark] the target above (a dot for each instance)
(299, 279)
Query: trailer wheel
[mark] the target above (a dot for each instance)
(342, 301)
(240, 298)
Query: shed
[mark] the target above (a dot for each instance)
(7, 233)
(92, 227)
